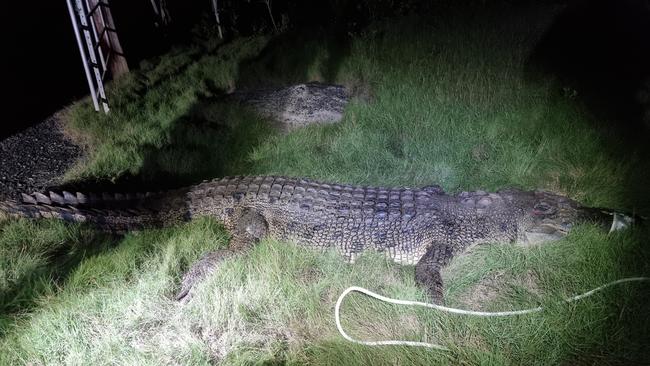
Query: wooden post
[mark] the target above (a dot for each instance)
(108, 39)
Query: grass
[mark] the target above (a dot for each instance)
(443, 100)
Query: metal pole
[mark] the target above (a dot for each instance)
(165, 12)
(162, 13)
(268, 6)
(84, 60)
(82, 11)
(216, 15)
(155, 8)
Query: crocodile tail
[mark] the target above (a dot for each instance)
(109, 212)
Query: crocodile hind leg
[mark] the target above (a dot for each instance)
(427, 271)
(250, 226)
(200, 270)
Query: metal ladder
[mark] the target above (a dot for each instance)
(96, 47)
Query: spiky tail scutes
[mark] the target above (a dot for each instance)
(108, 212)
(8, 209)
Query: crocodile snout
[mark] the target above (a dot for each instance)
(610, 220)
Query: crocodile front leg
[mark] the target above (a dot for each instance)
(248, 228)
(427, 270)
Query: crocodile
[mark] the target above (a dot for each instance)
(425, 227)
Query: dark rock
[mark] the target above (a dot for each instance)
(297, 105)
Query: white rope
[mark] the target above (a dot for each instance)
(337, 312)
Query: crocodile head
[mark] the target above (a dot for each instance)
(545, 216)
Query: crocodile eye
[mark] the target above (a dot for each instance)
(543, 208)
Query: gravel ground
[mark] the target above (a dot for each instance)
(36, 158)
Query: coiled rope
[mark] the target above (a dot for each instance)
(337, 312)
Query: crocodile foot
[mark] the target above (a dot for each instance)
(430, 279)
(427, 271)
(248, 229)
(199, 271)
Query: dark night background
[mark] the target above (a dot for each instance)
(601, 46)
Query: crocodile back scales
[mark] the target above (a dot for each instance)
(401, 222)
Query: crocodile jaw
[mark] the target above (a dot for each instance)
(550, 232)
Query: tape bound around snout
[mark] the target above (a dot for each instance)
(620, 222)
